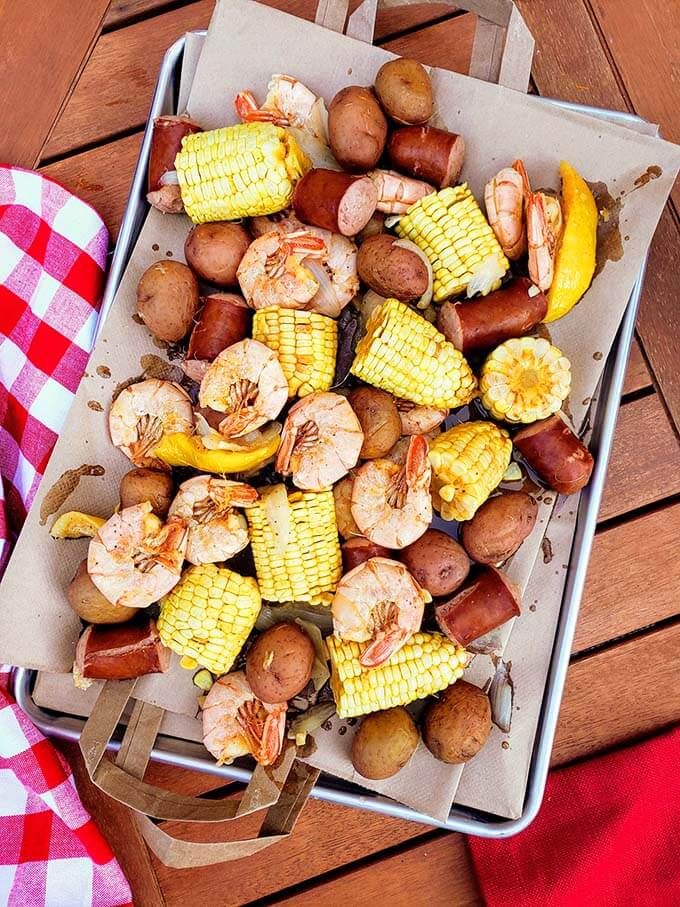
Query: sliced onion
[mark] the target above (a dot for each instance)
(392, 220)
(426, 298)
(369, 303)
(311, 614)
(310, 721)
(320, 672)
(319, 153)
(169, 178)
(325, 298)
(277, 511)
(485, 276)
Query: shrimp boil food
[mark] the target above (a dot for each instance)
(375, 364)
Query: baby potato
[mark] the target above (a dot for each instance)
(456, 726)
(405, 91)
(167, 299)
(437, 562)
(390, 269)
(499, 527)
(214, 251)
(342, 495)
(279, 663)
(90, 605)
(152, 485)
(384, 743)
(357, 128)
(379, 418)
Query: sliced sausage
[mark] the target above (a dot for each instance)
(428, 153)
(121, 651)
(556, 453)
(487, 600)
(335, 201)
(166, 141)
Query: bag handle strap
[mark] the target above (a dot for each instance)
(503, 47)
(277, 788)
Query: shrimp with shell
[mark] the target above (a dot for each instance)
(272, 273)
(216, 531)
(504, 200)
(134, 559)
(288, 103)
(419, 420)
(237, 723)
(247, 384)
(143, 412)
(391, 502)
(320, 442)
(544, 230)
(378, 602)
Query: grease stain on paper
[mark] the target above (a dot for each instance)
(103, 371)
(653, 172)
(609, 244)
(546, 545)
(95, 406)
(64, 487)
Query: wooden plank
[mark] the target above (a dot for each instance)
(37, 70)
(645, 461)
(638, 376)
(101, 177)
(615, 601)
(122, 11)
(115, 823)
(447, 45)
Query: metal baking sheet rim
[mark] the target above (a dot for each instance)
(191, 755)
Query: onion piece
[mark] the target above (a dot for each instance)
(270, 615)
(501, 694)
(310, 721)
(319, 153)
(277, 510)
(169, 178)
(426, 298)
(392, 220)
(485, 276)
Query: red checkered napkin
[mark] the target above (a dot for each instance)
(52, 257)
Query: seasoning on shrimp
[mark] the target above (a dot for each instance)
(237, 723)
(272, 270)
(216, 531)
(391, 502)
(320, 442)
(381, 603)
(134, 559)
(143, 412)
(246, 382)
(504, 200)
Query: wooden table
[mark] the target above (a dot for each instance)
(75, 91)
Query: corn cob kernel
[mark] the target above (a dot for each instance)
(468, 461)
(525, 379)
(208, 616)
(428, 663)
(308, 566)
(306, 344)
(461, 246)
(238, 171)
(404, 354)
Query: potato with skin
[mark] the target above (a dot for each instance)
(342, 496)
(152, 485)
(391, 270)
(405, 91)
(437, 562)
(456, 726)
(379, 419)
(384, 743)
(279, 663)
(90, 605)
(357, 128)
(167, 300)
(499, 527)
(214, 251)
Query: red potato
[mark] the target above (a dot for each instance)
(166, 141)
(224, 320)
(485, 323)
(335, 201)
(357, 128)
(486, 601)
(167, 299)
(558, 456)
(121, 652)
(214, 251)
(358, 549)
(390, 269)
(499, 527)
(430, 154)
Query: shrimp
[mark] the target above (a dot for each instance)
(236, 722)
(336, 270)
(271, 272)
(320, 442)
(378, 602)
(247, 383)
(216, 531)
(288, 103)
(396, 193)
(504, 199)
(419, 420)
(134, 559)
(143, 412)
(544, 229)
(391, 503)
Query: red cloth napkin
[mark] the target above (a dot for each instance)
(607, 835)
(52, 259)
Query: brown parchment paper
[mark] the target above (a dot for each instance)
(245, 45)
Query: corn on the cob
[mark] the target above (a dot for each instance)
(306, 344)
(301, 560)
(238, 171)
(404, 354)
(525, 379)
(208, 616)
(454, 234)
(468, 461)
(428, 663)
